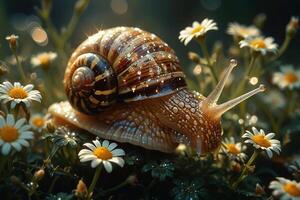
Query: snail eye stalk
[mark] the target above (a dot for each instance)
(210, 102)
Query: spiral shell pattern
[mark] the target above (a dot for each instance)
(129, 64)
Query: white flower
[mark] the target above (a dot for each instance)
(38, 122)
(233, 149)
(17, 93)
(274, 98)
(287, 78)
(13, 134)
(102, 153)
(260, 44)
(43, 59)
(285, 189)
(197, 30)
(242, 31)
(262, 141)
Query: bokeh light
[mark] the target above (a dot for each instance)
(119, 7)
(253, 80)
(39, 35)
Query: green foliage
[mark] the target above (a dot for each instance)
(160, 171)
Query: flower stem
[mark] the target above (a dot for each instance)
(52, 184)
(94, 181)
(242, 85)
(207, 57)
(283, 47)
(20, 68)
(245, 170)
(246, 76)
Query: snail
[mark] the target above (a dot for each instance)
(127, 85)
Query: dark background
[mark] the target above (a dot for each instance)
(162, 17)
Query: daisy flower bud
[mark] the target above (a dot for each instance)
(12, 41)
(194, 57)
(292, 26)
(81, 189)
(39, 175)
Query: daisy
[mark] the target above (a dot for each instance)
(285, 189)
(260, 44)
(242, 31)
(197, 29)
(262, 141)
(37, 122)
(233, 149)
(13, 134)
(287, 78)
(275, 98)
(16, 93)
(102, 153)
(43, 59)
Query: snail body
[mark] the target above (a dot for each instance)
(127, 85)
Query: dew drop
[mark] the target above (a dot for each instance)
(181, 104)
(175, 109)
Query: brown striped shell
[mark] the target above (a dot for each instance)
(121, 64)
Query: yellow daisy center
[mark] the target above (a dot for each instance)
(292, 189)
(18, 93)
(9, 133)
(38, 122)
(258, 43)
(261, 141)
(231, 148)
(197, 29)
(290, 77)
(102, 153)
(44, 59)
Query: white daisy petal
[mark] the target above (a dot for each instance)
(105, 143)
(25, 128)
(28, 87)
(86, 158)
(17, 146)
(2, 121)
(26, 136)
(97, 143)
(6, 149)
(269, 152)
(89, 145)
(95, 162)
(118, 152)
(118, 160)
(107, 165)
(84, 151)
(112, 146)
(10, 119)
(23, 142)
(20, 122)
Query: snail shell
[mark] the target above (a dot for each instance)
(121, 65)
